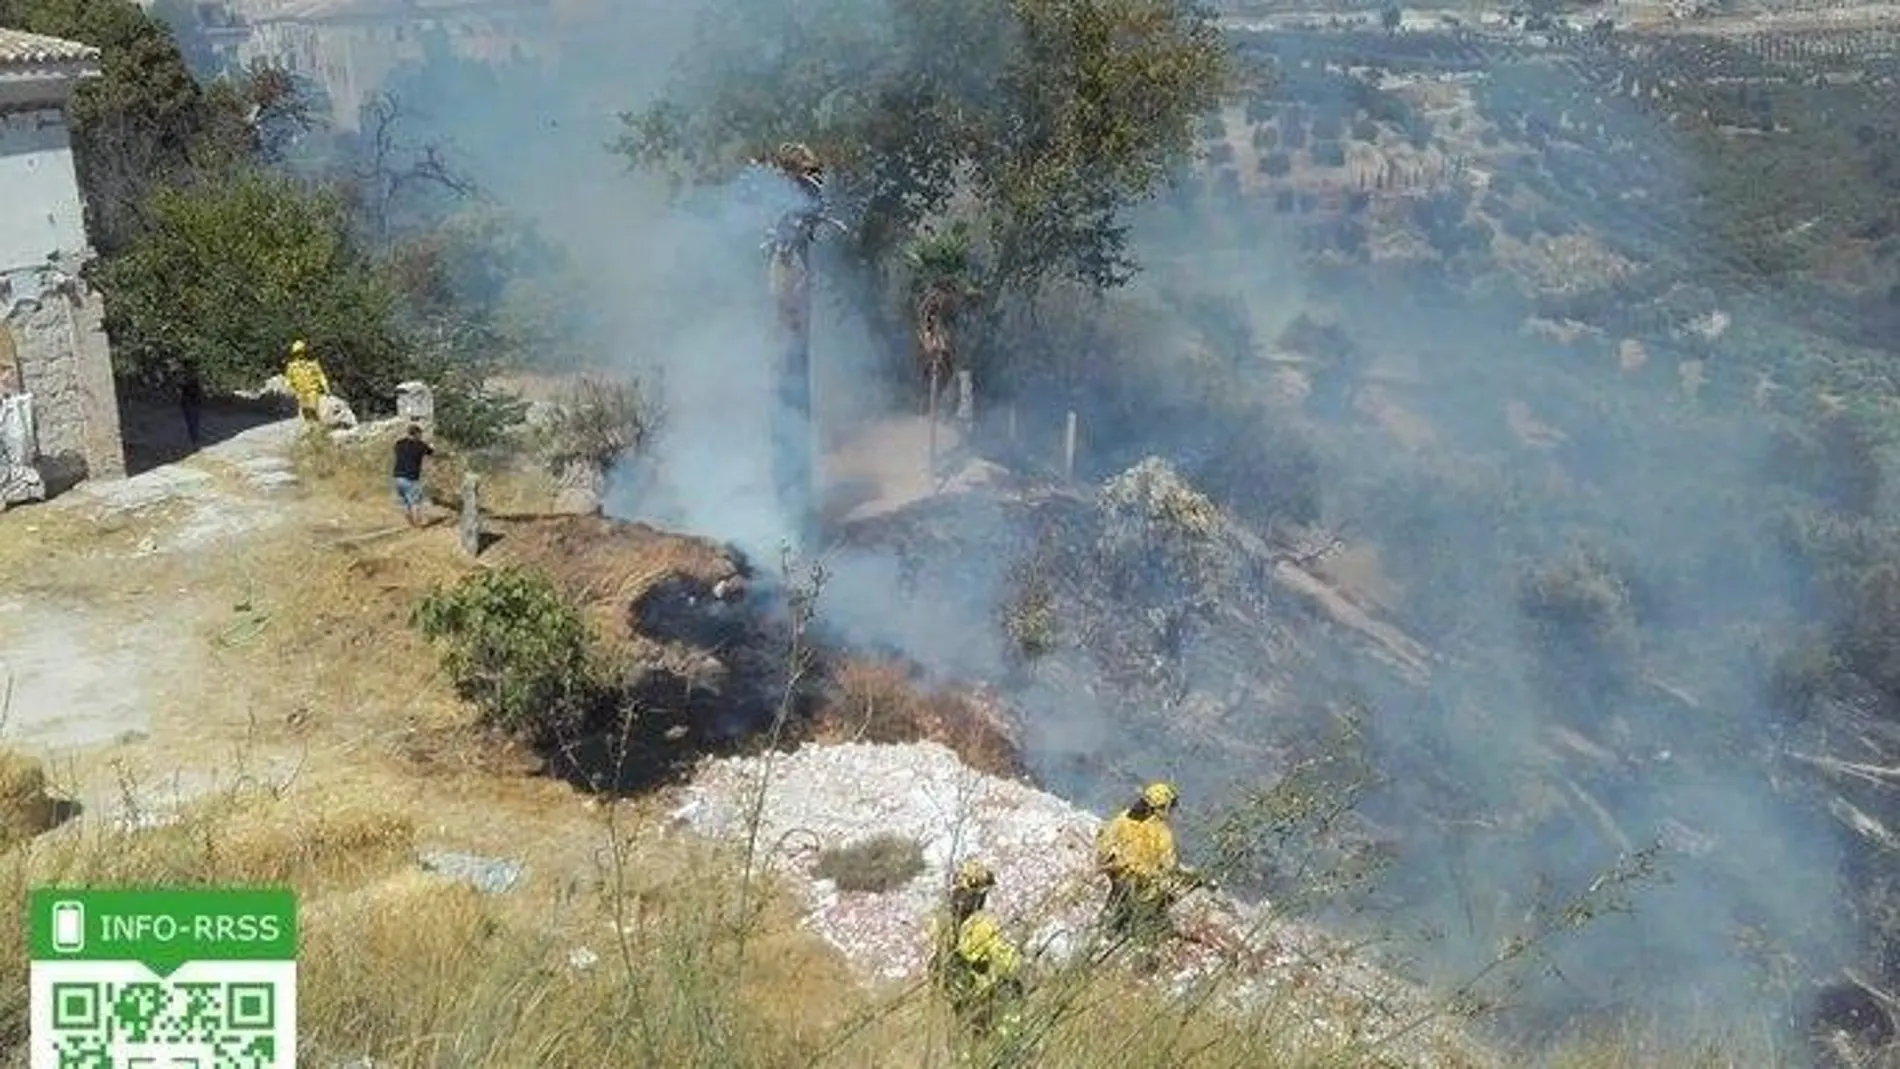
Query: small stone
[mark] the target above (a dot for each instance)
(582, 958)
(489, 876)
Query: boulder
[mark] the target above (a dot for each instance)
(415, 402)
(582, 489)
(19, 485)
(335, 413)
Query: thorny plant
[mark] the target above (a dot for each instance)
(802, 602)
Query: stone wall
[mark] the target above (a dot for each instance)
(42, 216)
(58, 351)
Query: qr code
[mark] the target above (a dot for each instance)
(174, 1025)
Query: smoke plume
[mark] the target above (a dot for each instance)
(1585, 547)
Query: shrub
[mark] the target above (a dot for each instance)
(471, 415)
(1276, 164)
(517, 649)
(1031, 620)
(25, 808)
(879, 701)
(599, 421)
(1270, 474)
(1582, 624)
(878, 864)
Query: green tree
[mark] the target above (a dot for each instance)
(229, 273)
(1056, 114)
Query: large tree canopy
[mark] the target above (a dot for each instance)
(1053, 115)
(231, 271)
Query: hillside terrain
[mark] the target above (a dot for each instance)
(1461, 465)
(286, 724)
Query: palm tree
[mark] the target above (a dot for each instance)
(942, 280)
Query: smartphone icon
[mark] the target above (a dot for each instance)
(69, 927)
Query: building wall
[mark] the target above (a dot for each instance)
(55, 344)
(61, 357)
(40, 214)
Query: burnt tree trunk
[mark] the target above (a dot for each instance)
(792, 432)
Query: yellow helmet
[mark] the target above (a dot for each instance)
(1159, 796)
(974, 876)
(297, 347)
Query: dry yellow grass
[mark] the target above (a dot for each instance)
(413, 970)
(356, 475)
(879, 701)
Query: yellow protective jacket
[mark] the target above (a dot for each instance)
(306, 378)
(1139, 852)
(979, 958)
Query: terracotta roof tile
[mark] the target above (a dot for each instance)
(21, 49)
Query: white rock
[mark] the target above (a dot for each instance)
(335, 413)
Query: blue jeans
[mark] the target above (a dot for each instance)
(409, 493)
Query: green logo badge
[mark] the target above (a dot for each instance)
(203, 977)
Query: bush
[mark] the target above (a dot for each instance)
(228, 273)
(1582, 622)
(25, 808)
(1276, 164)
(471, 415)
(881, 701)
(599, 421)
(517, 649)
(876, 865)
(1269, 474)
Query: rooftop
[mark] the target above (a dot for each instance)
(21, 49)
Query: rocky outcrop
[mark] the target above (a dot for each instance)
(821, 798)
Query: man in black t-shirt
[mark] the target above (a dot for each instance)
(410, 449)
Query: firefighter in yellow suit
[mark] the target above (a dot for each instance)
(973, 962)
(1135, 851)
(306, 379)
